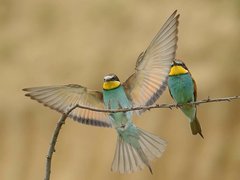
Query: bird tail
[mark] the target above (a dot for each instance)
(134, 152)
(196, 127)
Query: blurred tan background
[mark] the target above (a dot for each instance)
(60, 42)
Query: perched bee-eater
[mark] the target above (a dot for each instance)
(135, 147)
(183, 89)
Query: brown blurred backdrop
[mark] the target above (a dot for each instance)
(59, 42)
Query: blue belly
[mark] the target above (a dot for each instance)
(117, 99)
(181, 88)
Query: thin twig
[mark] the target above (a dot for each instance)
(156, 106)
(51, 149)
(61, 121)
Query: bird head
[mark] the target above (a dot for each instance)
(177, 68)
(111, 81)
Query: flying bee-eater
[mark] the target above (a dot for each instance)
(135, 147)
(183, 89)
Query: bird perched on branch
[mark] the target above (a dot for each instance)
(183, 89)
(135, 147)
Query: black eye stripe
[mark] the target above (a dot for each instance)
(179, 63)
(111, 77)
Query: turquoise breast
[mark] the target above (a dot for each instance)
(117, 99)
(181, 88)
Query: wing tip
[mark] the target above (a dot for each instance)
(174, 12)
(28, 95)
(26, 89)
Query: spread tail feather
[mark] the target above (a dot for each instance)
(196, 127)
(128, 158)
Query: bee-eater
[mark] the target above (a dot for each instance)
(135, 147)
(183, 89)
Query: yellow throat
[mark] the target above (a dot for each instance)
(176, 70)
(111, 85)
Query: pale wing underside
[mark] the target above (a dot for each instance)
(149, 81)
(62, 97)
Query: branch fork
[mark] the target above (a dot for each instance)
(62, 119)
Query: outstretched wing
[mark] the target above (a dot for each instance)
(61, 97)
(149, 81)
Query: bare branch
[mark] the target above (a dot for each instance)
(156, 106)
(51, 149)
(61, 121)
